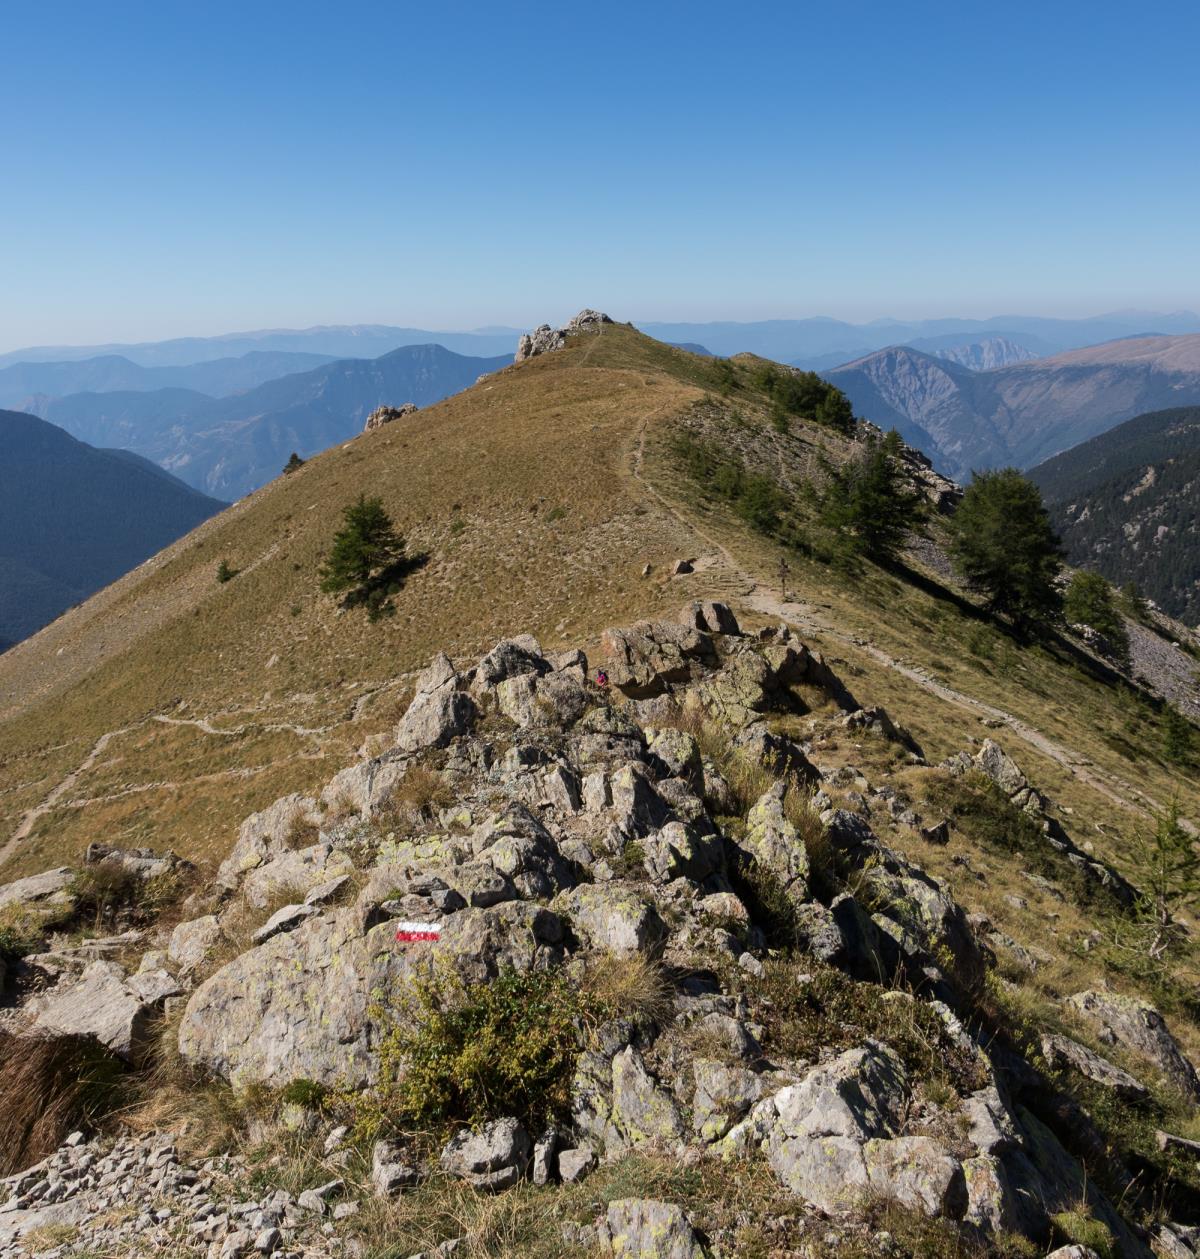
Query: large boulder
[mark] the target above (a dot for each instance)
(510, 658)
(305, 1004)
(1064, 1053)
(713, 618)
(105, 1003)
(723, 1096)
(775, 844)
(918, 1173)
(643, 659)
(1137, 1025)
(643, 1111)
(439, 711)
(815, 1145)
(266, 834)
(193, 941)
(643, 1228)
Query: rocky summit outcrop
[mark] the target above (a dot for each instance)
(544, 338)
(386, 415)
(765, 977)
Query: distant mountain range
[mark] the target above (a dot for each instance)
(1127, 503)
(822, 343)
(30, 386)
(833, 341)
(73, 519)
(1023, 413)
(230, 446)
(334, 341)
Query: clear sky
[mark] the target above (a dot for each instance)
(179, 167)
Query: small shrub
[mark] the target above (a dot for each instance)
(466, 1053)
(418, 796)
(307, 1093)
(225, 573)
(627, 986)
(555, 514)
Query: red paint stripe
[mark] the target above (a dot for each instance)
(410, 937)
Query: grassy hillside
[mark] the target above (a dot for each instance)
(168, 707)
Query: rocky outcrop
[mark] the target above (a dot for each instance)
(386, 415)
(543, 339)
(104, 1002)
(995, 764)
(1137, 1025)
(569, 824)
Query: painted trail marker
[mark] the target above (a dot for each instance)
(415, 932)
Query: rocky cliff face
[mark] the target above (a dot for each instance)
(969, 418)
(785, 994)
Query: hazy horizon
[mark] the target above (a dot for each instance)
(184, 171)
(516, 327)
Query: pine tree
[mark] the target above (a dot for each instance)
(1167, 875)
(1177, 736)
(294, 462)
(225, 573)
(871, 502)
(1089, 601)
(1003, 545)
(366, 564)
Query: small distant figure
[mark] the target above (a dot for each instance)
(601, 678)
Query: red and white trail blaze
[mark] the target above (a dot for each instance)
(413, 932)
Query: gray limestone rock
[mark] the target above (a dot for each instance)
(642, 1228)
(492, 1158)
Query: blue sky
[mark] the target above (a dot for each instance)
(187, 168)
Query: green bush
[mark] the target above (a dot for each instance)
(466, 1053)
(831, 1011)
(302, 1092)
(225, 573)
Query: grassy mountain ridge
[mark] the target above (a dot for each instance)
(539, 494)
(1126, 504)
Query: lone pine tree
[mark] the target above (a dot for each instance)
(367, 563)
